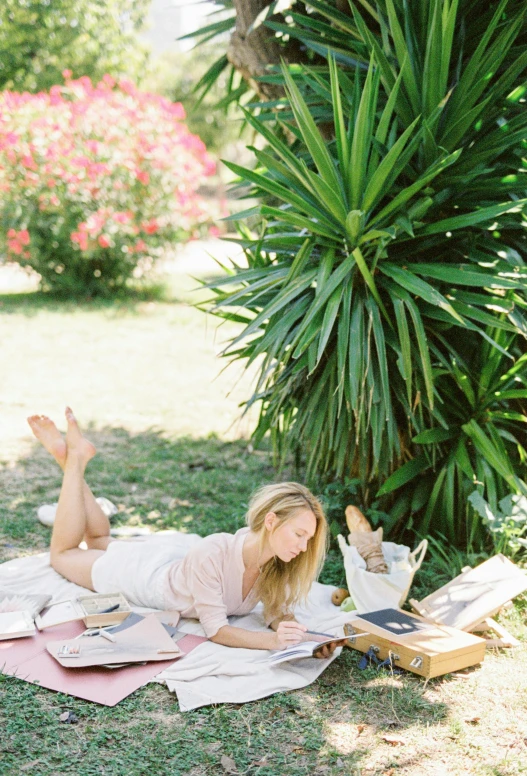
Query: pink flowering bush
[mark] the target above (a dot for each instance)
(95, 181)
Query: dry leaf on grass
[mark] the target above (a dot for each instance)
(228, 764)
(298, 750)
(473, 720)
(68, 717)
(360, 728)
(212, 747)
(30, 766)
(394, 740)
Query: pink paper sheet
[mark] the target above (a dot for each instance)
(28, 659)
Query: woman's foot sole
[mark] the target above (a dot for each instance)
(49, 436)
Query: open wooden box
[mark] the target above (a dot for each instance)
(414, 643)
(93, 609)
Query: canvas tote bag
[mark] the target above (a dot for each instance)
(371, 592)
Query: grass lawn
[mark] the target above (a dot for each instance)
(142, 377)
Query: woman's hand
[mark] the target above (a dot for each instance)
(289, 633)
(328, 649)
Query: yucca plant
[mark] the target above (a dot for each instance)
(387, 280)
(479, 448)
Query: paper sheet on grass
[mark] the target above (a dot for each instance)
(211, 673)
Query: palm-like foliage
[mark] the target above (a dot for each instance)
(385, 296)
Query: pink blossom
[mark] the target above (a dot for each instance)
(28, 162)
(81, 239)
(123, 218)
(178, 111)
(82, 149)
(126, 86)
(150, 227)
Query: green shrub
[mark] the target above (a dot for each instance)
(95, 181)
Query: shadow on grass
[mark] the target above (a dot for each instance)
(194, 485)
(202, 486)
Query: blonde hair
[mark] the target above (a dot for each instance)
(281, 585)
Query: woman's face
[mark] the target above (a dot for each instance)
(290, 538)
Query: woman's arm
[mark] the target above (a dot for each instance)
(287, 633)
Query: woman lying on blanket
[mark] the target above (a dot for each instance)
(274, 560)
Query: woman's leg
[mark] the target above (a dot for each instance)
(97, 534)
(71, 519)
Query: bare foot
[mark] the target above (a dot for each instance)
(74, 439)
(48, 434)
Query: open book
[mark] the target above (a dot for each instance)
(306, 648)
(11, 601)
(17, 612)
(15, 625)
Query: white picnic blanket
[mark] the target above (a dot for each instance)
(211, 673)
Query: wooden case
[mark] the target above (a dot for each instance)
(90, 608)
(413, 643)
(93, 609)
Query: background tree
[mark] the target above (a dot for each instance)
(174, 74)
(385, 294)
(40, 38)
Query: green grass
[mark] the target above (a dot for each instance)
(141, 376)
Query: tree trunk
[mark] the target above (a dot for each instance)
(252, 52)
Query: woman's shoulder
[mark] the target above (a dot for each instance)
(219, 543)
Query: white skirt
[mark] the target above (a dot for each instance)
(138, 568)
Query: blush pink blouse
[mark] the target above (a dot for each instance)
(207, 582)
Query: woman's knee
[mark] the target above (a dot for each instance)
(97, 542)
(75, 565)
(58, 560)
(54, 558)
